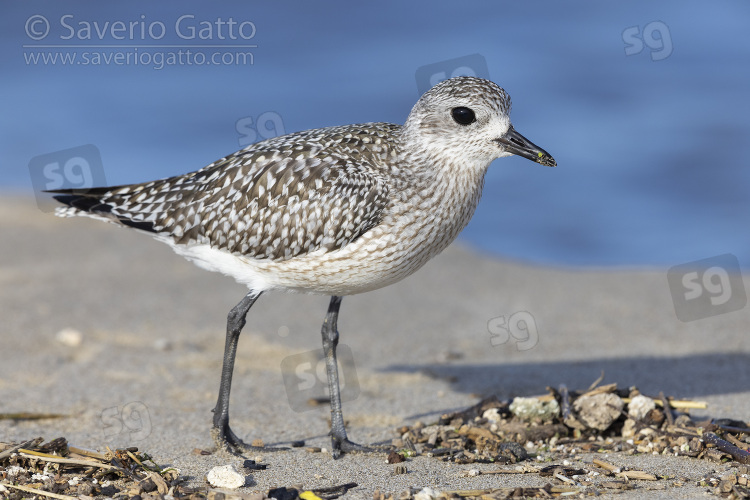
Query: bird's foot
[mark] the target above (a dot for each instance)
(226, 440)
(340, 446)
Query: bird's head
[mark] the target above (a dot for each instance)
(468, 118)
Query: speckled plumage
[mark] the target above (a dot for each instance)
(338, 210)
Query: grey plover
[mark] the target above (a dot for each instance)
(335, 211)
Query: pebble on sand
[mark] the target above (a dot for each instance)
(69, 337)
(225, 476)
(595, 412)
(492, 415)
(531, 408)
(426, 493)
(639, 407)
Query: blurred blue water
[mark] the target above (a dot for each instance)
(652, 147)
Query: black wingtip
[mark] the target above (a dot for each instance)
(84, 203)
(89, 201)
(143, 226)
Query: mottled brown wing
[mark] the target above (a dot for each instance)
(274, 201)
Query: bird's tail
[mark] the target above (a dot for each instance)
(109, 204)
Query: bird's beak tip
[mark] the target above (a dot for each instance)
(544, 158)
(516, 144)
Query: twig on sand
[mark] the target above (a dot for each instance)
(667, 409)
(596, 382)
(39, 492)
(736, 453)
(24, 415)
(66, 461)
(87, 453)
(13, 449)
(565, 406)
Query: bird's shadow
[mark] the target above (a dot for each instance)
(692, 376)
(688, 377)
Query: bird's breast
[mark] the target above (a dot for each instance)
(423, 216)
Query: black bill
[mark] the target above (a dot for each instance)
(515, 143)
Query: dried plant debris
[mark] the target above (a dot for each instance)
(601, 419)
(34, 469)
(564, 424)
(37, 470)
(546, 436)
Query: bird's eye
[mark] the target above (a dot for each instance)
(463, 115)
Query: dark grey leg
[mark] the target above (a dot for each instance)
(340, 442)
(222, 434)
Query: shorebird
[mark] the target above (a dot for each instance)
(334, 211)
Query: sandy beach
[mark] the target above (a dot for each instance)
(152, 337)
